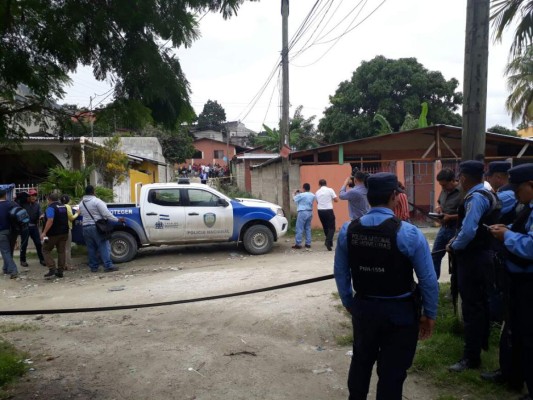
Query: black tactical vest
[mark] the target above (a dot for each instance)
(60, 224)
(377, 265)
(519, 225)
(483, 239)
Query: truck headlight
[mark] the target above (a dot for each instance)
(279, 211)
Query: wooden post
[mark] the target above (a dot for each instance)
(475, 78)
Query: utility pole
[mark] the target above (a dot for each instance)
(475, 78)
(284, 128)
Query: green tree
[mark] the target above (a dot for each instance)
(506, 12)
(131, 43)
(177, 145)
(73, 183)
(302, 131)
(502, 130)
(110, 162)
(519, 74)
(302, 134)
(392, 88)
(269, 139)
(212, 116)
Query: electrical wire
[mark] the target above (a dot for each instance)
(336, 40)
(361, 4)
(328, 5)
(271, 96)
(253, 102)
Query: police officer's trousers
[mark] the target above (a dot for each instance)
(522, 324)
(473, 271)
(385, 331)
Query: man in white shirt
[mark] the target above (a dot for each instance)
(325, 197)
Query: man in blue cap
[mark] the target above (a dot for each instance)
(473, 254)
(375, 257)
(518, 242)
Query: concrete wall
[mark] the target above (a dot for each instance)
(239, 176)
(266, 182)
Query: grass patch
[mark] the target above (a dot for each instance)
(233, 191)
(11, 365)
(444, 348)
(344, 340)
(10, 327)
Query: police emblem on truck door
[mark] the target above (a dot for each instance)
(210, 219)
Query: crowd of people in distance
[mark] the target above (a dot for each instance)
(198, 170)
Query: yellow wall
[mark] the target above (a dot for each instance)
(526, 132)
(136, 177)
(148, 166)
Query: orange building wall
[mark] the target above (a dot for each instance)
(208, 148)
(335, 176)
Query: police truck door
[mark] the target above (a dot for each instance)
(209, 217)
(163, 215)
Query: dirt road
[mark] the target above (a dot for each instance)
(272, 345)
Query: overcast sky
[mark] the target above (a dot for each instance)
(233, 58)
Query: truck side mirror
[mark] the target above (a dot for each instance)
(223, 202)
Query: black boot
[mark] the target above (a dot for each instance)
(464, 364)
(51, 272)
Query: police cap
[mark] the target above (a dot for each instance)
(383, 183)
(472, 168)
(498, 166)
(521, 173)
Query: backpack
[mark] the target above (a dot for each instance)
(19, 219)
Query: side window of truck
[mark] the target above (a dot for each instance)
(165, 197)
(202, 198)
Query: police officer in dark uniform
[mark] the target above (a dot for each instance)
(375, 256)
(518, 242)
(498, 177)
(55, 235)
(474, 257)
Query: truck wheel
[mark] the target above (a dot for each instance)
(123, 247)
(258, 239)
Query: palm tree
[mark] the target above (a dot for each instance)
(520, 82)
(504, 13)
(270, 140)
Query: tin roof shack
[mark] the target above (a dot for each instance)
(416, 156)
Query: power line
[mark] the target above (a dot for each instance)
(271, 96)
(328, 5)
(361, 3)
(262, 89)
(336, 40)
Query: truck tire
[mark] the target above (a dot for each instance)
(258, 239)
(123, 247)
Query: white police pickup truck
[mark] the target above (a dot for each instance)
(191, 213)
